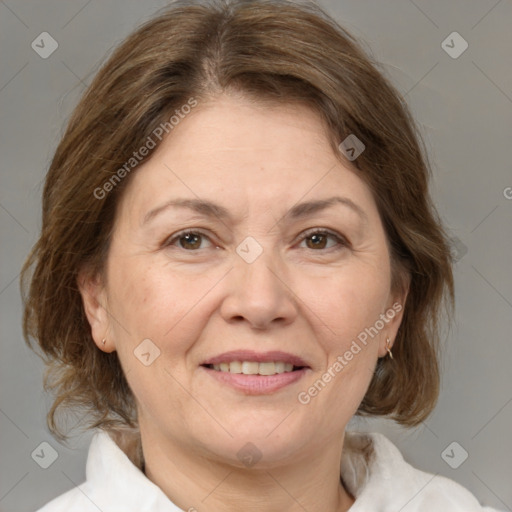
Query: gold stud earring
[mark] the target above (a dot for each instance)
(103, 341)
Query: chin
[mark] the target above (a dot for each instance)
(267, 439)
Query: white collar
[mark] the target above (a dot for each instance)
(372, 469)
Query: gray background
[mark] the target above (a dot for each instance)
(464, 108)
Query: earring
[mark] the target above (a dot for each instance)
(388, 341)
(103, 341)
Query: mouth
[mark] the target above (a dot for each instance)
(256, 373)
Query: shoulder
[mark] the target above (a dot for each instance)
(72, 501)
(376, 473)
(113, 483)
(84, 497)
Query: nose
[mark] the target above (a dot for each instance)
(259, 293)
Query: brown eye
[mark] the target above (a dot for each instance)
(319, 240)
(188, 240)
(191, 241)
(316, 241)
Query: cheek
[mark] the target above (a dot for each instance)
(138, 298)
(150, 300)
(146, 305)
(350, 305)
(350, 301)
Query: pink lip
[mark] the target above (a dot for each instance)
(259, 357)
(256, 384)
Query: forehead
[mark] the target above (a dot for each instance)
(245, 154)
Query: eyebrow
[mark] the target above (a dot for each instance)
(210, 209)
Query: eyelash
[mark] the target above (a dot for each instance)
(341, 241)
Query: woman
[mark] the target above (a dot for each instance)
(238, 254)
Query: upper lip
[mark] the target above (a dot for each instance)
(259, 357)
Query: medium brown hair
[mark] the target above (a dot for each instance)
(280, 51)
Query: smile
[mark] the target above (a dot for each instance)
(254, 367)
(256, 373)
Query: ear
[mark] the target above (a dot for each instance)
(95, 306)
(393, 317)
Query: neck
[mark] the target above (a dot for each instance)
(194, 481)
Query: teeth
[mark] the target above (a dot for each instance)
(234, 367)
(254, 368)
(279, 367)
(250, 368)
(267, 368)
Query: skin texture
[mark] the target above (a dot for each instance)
(196, 298)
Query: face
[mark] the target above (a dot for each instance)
(245, 241)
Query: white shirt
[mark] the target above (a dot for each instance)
(372, 469)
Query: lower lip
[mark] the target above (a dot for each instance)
(257, 384)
